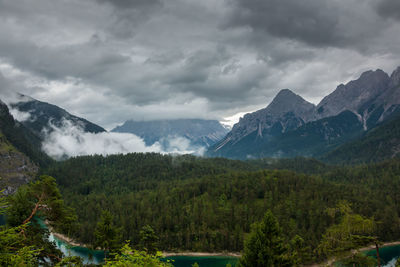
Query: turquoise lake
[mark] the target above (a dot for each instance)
(388, 255)
(97, 256)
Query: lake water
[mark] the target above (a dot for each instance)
(388, 255)
(97, 256)
(88, 255)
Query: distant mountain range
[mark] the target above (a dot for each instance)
(357, 122)
(290, 126)
(199, 132)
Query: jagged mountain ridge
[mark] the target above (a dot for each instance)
(43, 114)
(199, 132)
(286, 112)
(372, 98)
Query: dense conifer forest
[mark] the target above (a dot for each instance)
(197, 204)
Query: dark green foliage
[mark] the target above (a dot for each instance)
(107, 235)
(127, 257)
(352, 232)
(265, 245)
(209, 204)
(23, 242)
(148, 239)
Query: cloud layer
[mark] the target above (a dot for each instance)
(110, 61)
(70, 140)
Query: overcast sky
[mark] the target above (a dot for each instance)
(113, 60)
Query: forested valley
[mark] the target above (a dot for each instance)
(198, 204)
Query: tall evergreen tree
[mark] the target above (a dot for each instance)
(148, 239)
(265, 245)
(106, 233)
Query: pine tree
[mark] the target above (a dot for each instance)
(265, 245)
(107, 235)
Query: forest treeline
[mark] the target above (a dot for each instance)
(201, 204)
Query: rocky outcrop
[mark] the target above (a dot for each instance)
(16, 169)
(355, 96)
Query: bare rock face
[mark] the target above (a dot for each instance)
(286, 112)
(355, 95)
(16, 169)
(387, 104)
(395, 78)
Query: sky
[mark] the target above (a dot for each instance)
(113, 60)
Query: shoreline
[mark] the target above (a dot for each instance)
(331, 261)
(71, 242)
(387, 244)
(166, 254)
(201, 254)
(68, 240)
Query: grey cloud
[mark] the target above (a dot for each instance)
(314, 22)
(131, 3)
(109, 61)
(389, 8)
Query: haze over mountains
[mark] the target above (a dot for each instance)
(64, 135)
(42, 117)
(199, 132)
(289, 126)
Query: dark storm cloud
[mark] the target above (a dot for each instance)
(389, 8)
(129, 13)
(131, 3)
(156, 59)
(319, 23)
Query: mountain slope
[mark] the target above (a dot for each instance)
(16, 168)
(378, 144)
(199, 132)
(290, 126)
(21, 138)
(355, 95)
(42, 114)
(286, 112)
(310, 140)
(387, 104)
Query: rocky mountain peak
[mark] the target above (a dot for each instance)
(286, 112)
(355, 94)
(287, 101)
(395, 78)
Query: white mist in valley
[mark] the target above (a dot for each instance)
(70, 140)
